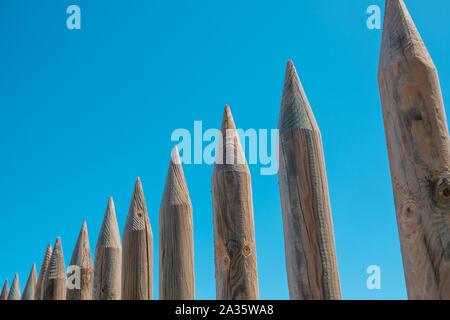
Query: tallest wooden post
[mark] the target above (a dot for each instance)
(419, 154)
(308, 228)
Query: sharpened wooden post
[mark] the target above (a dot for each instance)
(176, 239)
(81, 257)
(308, 228)
(5, 291)
(54, 283)
(14, 292)
(137, 250)
(234, 231)
(419, 154)
(30, 287)
(108, 258)
(44, 266)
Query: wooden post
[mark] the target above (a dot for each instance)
(30, 287)
(108, 258)
(176, 239)
(137, 250)
(5, 291)
(14, 292)
(419, 154)
(44, 266)
(54, 283)
(234, 234)
(81, 257)
(308, 227)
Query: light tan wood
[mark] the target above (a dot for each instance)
(44, 266)
(176, 239)
(30, 287)
(81, 257)
(137, 250)
(54, 283)
(14, 292)
(5, 291)
(308, 228)
(234, 231)
(419, 154)
(108, 258)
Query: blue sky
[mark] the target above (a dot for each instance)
(85, 112)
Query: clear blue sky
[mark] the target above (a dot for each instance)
(85, 112)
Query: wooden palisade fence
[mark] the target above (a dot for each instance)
(419, 153)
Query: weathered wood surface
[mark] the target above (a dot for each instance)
(234, 234)
(44, 266)
(176, 239)
(308, 228)
(108, 258)
(419, 154)
(81, 257)
(137, 250)
(14, 292)
(54, 283)
(30, 287)
(5, 291)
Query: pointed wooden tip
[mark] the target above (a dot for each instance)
(29, 291)
(81, 253)
(14, 292)
(175, 156)
(56, 267)
(227, 120)
(295, 111)
(400, 35)
(175, 189)
(5, 291)
(137, 213)
(109, 236)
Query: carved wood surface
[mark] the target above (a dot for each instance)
(108, 258)
(54, 283)
(234, 234)
(137, 250)
(308, 228)
(419, 154)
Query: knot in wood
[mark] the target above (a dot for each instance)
(441, 192)
(246, 250)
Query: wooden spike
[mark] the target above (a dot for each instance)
(419, 154)
(54, 283)
(108, 258)
(81, 257)
(308, 227)
(30, 287)
(5, 291)
(44, 266)
(14, 292)
(137, 251)
(176, 239)
(234, 234)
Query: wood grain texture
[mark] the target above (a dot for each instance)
(81, 257)
(5, 291)
(308, 228)
(419, 154)
(137, 250)
(108, 258)
(54, 283)
(42, 271)
(234, 232)
(30, 287)
(176, 238)
(14, 292)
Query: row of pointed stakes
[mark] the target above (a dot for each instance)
(125, 272)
